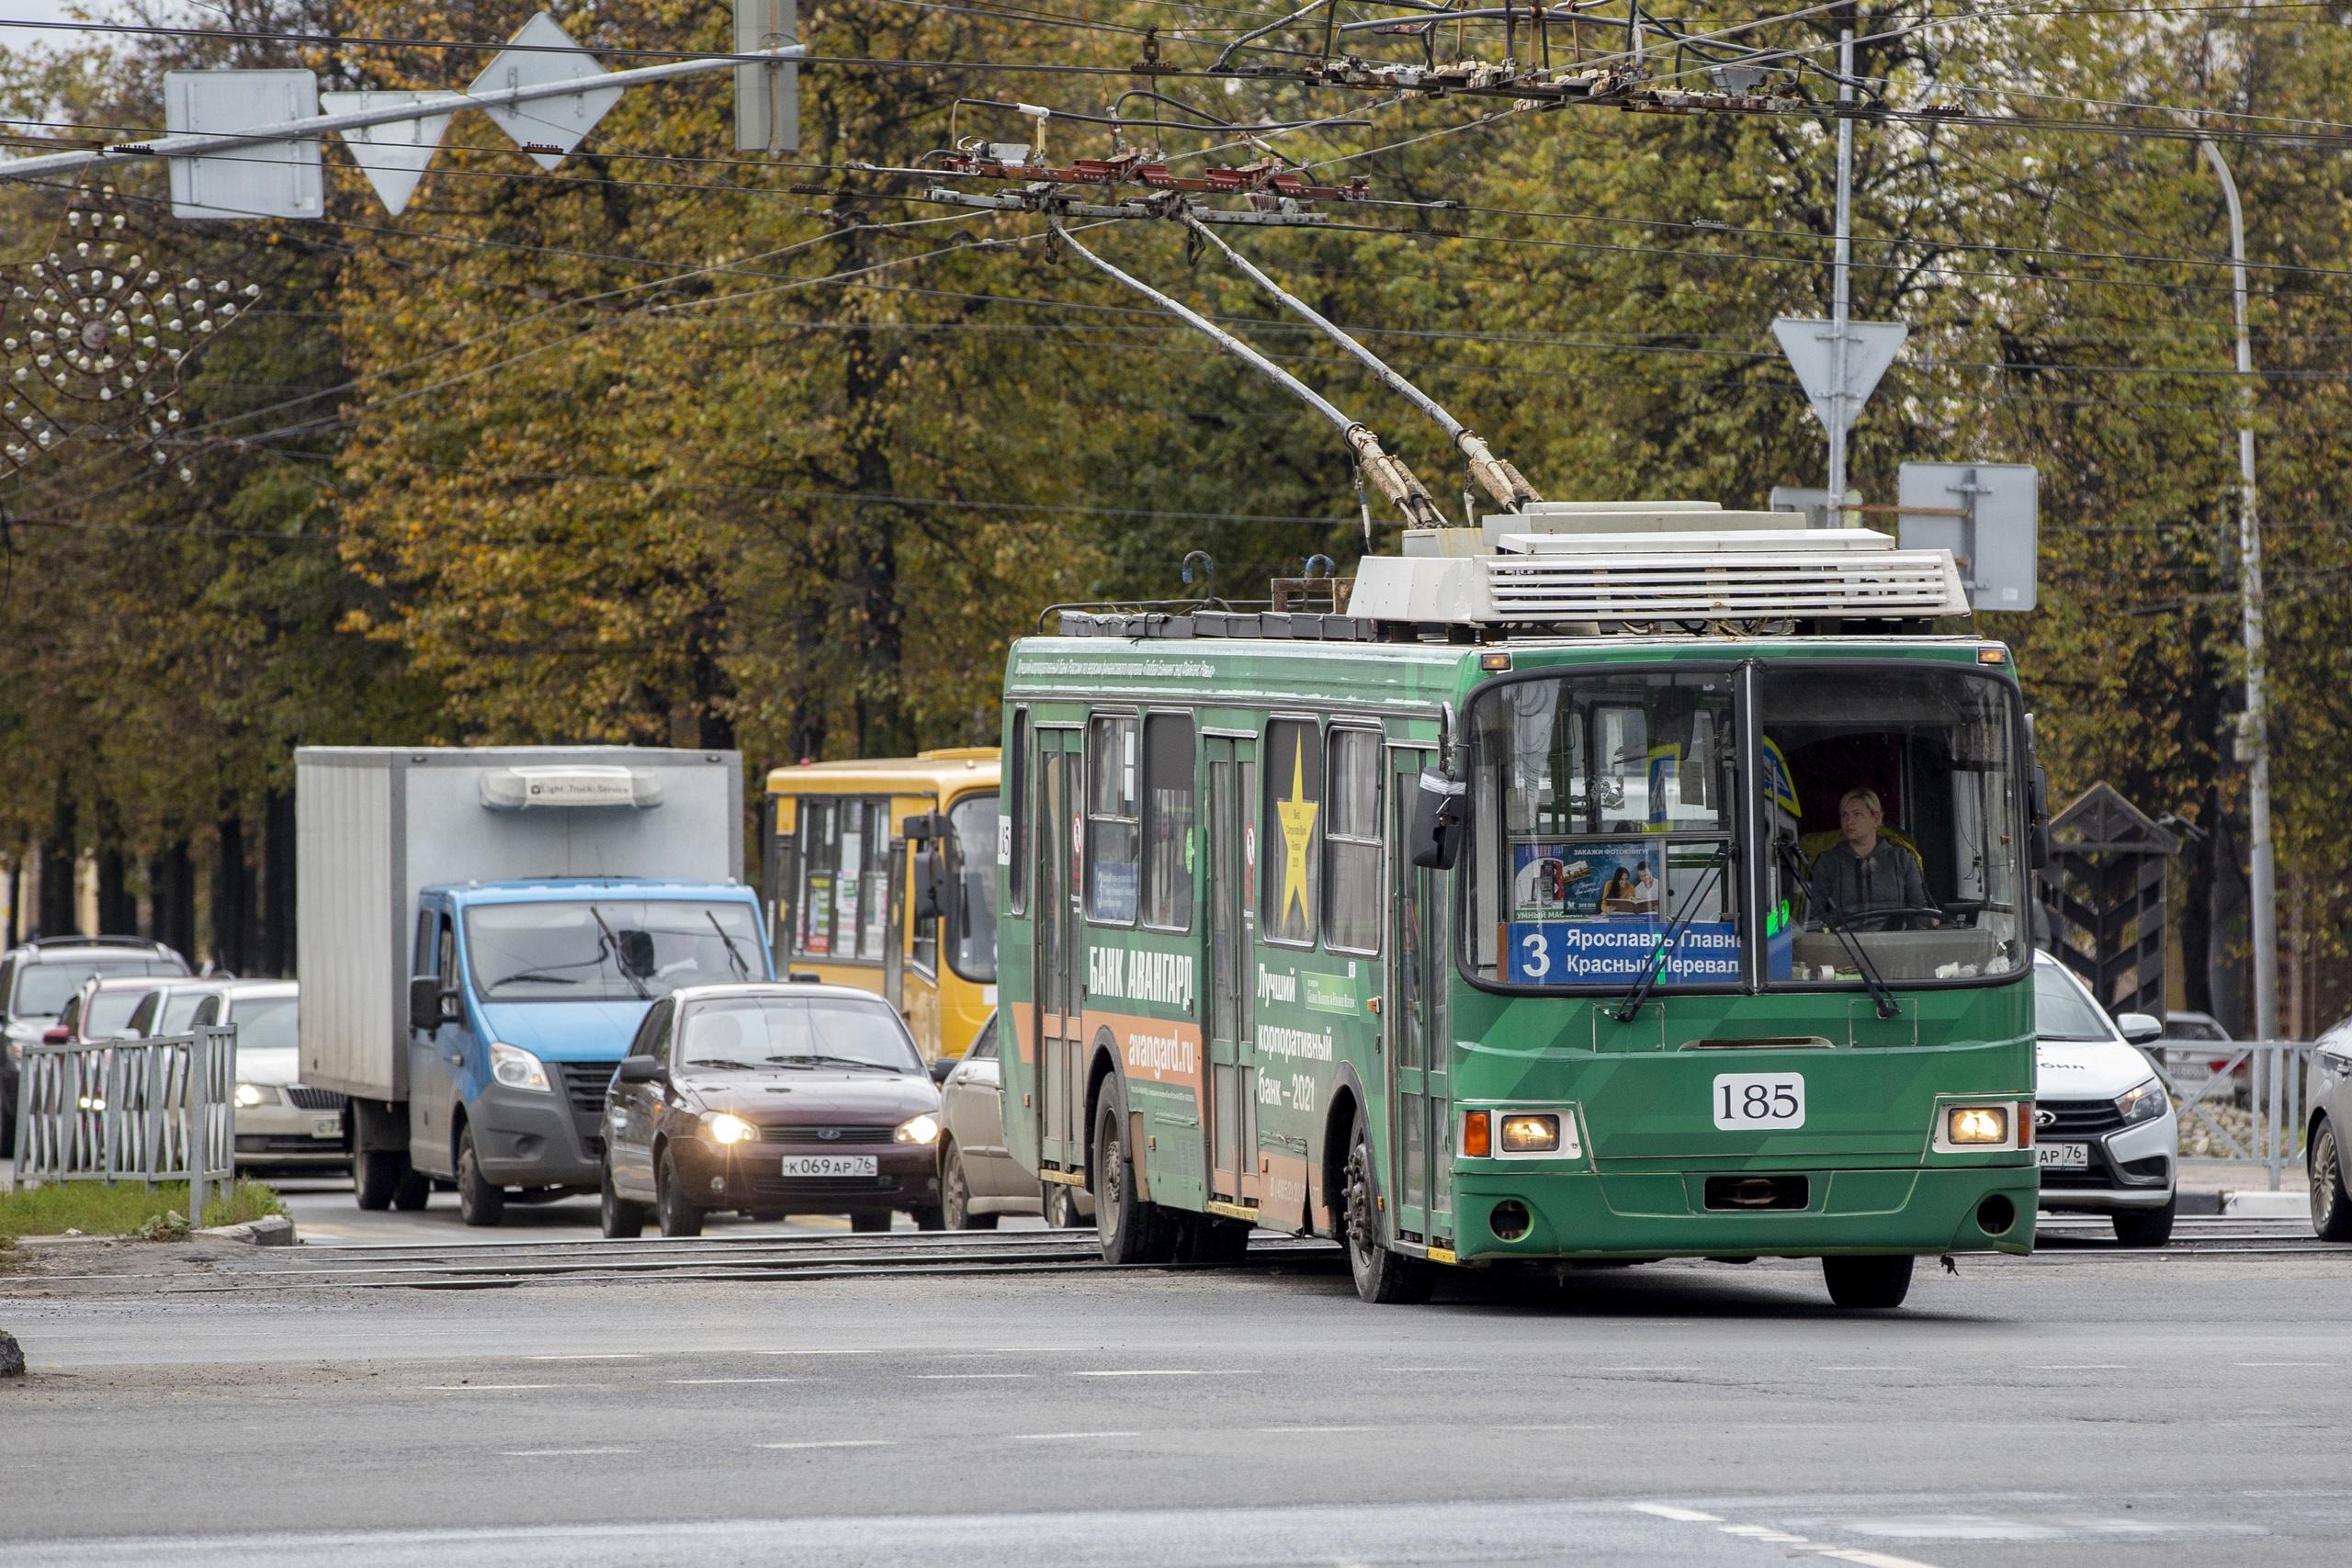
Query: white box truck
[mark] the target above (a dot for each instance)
(478, 933)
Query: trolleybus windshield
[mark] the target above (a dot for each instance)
(1608, 837)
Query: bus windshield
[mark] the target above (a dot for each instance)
(1897, 793)
(610, 950)
(1600, 813)
(1604, 814)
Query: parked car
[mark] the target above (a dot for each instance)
(282, 1122)
(37, 979)
(772, 1100)
(101, 1011)
(2108, 1136)
(979, 1179)
(2191, 1069)
(170, 1007)
(2330, 1083)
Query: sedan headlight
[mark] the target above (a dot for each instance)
(922, 1129)
(516, 1069)
(253, 1094)
(722, 1128)
(2144, 1102)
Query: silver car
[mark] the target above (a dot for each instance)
(281, 1123)
(2331, 1101)
(979, 1179)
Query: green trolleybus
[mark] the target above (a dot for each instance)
(1602, 882)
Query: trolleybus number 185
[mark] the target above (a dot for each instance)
(1758, 1099)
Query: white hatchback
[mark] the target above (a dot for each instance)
(2107, 1137)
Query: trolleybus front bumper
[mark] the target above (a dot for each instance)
(1520, 1214)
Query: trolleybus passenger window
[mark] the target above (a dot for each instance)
(1014, 827)
(1897, 794)
(1601, 840)
(1352, 845)
(1113, 833)
(1168, 815)
(1289, 864)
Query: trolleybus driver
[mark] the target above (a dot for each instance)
(1868, 882)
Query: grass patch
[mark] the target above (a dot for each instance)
(122, 1208)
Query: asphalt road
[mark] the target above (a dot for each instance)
(2084, 1407)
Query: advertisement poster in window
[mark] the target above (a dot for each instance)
(1583, 879)
(817, 937)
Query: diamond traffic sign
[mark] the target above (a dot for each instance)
(1812, 348)
(546, 128)
(260, 179)
(392, 155)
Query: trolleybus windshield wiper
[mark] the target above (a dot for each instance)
(1833, 921)
(1662, 954)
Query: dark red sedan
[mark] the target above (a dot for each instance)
(770, 1099)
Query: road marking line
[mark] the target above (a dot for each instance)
(1679, 1516)
(1285, 1429)
(1743, 1529)
(559, 1453)
(1860, 1555)
(1066, 1437)
(964, 1377)
(683, 1382)
(837, 1443)
(1431, 1368)
(1169, 1372)
(1867, 1559)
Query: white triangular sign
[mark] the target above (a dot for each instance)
(545, 128)
(1812, 348)
(393, 156)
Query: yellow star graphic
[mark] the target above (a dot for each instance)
(1298, 817)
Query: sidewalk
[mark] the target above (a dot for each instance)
(2203, 1182)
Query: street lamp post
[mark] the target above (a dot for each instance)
(2254, 735)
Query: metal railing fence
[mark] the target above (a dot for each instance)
(160, 1109)
(2205, 1076)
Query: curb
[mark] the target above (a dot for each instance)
(2266, 1205)
(274, 1230)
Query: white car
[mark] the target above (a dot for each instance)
(281, 1123)
(2109, 1139)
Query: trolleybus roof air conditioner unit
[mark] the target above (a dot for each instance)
(1652, 561)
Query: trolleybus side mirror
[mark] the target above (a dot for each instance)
(1437, 821)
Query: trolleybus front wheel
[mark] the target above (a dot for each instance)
(1132, 1230)
(1869, 1283)
(1383, 1278)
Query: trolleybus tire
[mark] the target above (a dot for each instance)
(1381, 1277)
(616, 1215)
(1130, 1229)
(871, 1222)
(955, 1194)
(2146, 1227)
(481, 1201)
(1868, 1283)
(2330, 1205)
(374, 1174)
(672, 1207)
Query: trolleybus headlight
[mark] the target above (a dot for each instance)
(2142, 1102)
(1525, 1133)
(725, 1129)
(1977, 1125)
(922, 1129)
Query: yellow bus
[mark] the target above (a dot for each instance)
(881, 874)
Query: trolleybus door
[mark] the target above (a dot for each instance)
(1233, 1066)
(1060, 979)
(1419, 1117)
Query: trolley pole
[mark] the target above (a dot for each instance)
(2254, 736)
(1841, 300)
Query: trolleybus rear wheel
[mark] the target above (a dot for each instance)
(2331, 1206)
(1868, 1283)
(1131, 1230)
(1383, 1278)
